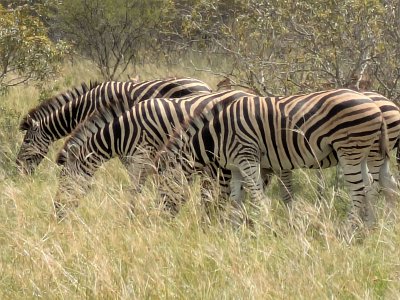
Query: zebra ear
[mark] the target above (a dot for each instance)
(27, 123)
(134, 79)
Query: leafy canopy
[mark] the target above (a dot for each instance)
(26, 52)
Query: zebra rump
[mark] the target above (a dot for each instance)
(254, 133)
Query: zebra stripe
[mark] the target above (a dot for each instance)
(255, 133)
(136, 135)
(58, 121)
(51, 104)
(35, 139)
(391, 115)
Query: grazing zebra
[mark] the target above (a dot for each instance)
(136, 135)
(254, 133)
(391, 115)
(35, 138)
(45, 125)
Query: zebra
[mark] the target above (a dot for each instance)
(254, 133)
(391, 115)
(136, 135)
(46, 124)
(30, 123)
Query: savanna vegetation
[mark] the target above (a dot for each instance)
(272, 47)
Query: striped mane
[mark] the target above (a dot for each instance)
(85, 130)
(49, 105)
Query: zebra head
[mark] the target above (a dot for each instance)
(74, 179)
(35, 145)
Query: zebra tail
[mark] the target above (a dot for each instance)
(398, 154)
(384, 142)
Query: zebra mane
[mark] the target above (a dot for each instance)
(51, 104)
(85, 130)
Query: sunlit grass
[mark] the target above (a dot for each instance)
(101, 251)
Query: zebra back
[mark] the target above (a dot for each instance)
(49, 105)
(85, 130)
(60, 122)
(134, 135)
(287, 133)
(194, 105)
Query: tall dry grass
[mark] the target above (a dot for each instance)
(100, 251)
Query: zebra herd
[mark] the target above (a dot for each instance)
(233, 136)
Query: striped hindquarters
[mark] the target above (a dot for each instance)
(288, 133)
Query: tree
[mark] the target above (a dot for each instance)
(283, 47)
(111, 32)
(386, 67)
(26, 53)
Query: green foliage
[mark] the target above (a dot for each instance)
(284, 47)
(8, 133)
(26, 52)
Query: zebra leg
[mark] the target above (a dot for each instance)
(138, 168)
(214, 202)
(266, 175)
(254, 183)
(224, 183)
(228, 188)
(238, 215)
(389, 184)
(65, 201)
(339, 177)
(380, 172)
(357, 179)
(251, 173)
(284, 181)
(72, 187)
(320, 185)
(371, 196)
(175, 173)
(372, 192)
(285, 185)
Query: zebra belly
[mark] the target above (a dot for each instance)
(314, 159)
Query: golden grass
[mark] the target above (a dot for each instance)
(99, 251)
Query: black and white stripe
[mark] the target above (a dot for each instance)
(391, 115)
(254, 133)
(135, 135)
(44, 126)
